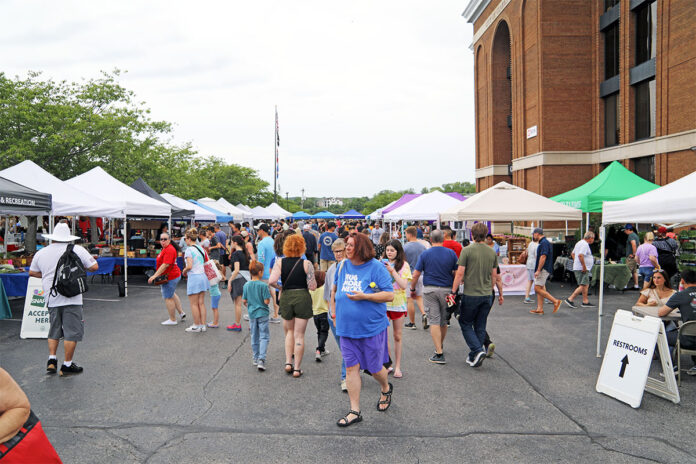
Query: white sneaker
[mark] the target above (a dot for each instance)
(692, 371)
(169, 322)
(245, 317)
(193, 328)
(182, 316)
(203, 328)
(274, 320)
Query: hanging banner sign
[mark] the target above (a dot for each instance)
(35, 322)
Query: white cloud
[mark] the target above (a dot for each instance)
(371, 95)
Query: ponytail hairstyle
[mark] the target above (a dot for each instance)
(239, 241)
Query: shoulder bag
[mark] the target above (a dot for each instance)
(210, 269)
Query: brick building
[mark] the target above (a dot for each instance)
(564, 87)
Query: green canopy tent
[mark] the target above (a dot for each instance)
(614, 183)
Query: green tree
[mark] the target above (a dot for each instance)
(382, 199)
(69, 128)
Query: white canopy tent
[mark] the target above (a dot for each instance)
(101, 185)
(426, 207)
(280, 212)
(244, 207)
(671, 203)
(377, 214)
(200, 214)
(506, 202)
(260, 212)
(67, 200)
(238, 213)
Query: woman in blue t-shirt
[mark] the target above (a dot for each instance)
(362, 287)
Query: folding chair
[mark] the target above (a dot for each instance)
(689, 329)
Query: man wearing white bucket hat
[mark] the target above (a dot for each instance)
(67, 320)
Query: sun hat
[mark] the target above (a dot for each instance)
(61, 233)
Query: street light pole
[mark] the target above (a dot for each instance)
(287, 201)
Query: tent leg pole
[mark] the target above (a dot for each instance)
(601, 291)
(7, 228)
(125, 255)
(566, 224)
(587, 221)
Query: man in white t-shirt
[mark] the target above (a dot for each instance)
(582, 267)
(65, 313)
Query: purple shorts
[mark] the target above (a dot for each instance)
(370, 353)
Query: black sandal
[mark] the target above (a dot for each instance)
(388, 394)
(289, 371)
(346, 422)
(299, 373)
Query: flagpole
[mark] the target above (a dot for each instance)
(275, 166)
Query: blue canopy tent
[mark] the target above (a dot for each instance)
(300, 215)
(220, 216)
(352, 214)
(324, 215)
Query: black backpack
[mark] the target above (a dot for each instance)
(70, 278)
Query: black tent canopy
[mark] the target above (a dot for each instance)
(17, 199)
(141, 186)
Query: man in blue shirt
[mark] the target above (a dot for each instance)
(326, 256)
(265, 255)
(544, 268)
(438, 266)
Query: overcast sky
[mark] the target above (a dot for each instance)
(371, 95)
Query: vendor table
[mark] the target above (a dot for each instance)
(514, 277)
(652, 311)
(15, 284)
(107, 264)
(563, 262)
(615, 274)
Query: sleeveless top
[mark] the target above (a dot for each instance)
(298, 278)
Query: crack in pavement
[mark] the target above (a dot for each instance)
(182, 431)
(205, 387)
(593, 437)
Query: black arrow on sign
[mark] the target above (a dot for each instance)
(624, 363)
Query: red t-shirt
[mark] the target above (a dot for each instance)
(454, 246)
(168, 256)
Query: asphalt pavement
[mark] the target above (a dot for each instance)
(156, 394)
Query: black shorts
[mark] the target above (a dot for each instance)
(225, 260)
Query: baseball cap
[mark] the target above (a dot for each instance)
(244, 233)
(662, 230)
(307, 227)
(539, 231)
(628, 227)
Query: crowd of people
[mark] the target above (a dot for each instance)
(353, 279)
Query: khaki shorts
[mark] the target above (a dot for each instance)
(434, 300)
(583, 278)
(540, 281)
(296, 303)
(325, 264)
(632, 265)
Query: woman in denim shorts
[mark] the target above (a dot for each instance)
(166, 264)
